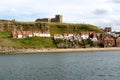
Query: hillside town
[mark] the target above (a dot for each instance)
(85, 38)
(73, 40)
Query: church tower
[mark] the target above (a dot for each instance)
(58, 18)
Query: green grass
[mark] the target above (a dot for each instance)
(35, 42)
(72, 28)
(60, 27)
(5, 34)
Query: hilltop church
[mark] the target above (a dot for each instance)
(57, 19)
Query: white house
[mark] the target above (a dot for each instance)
(58, 36)
(84, 35)
(30, 34)
(14, 34)
(71, 36)
(93, 37)
(65, 35)
(36, 33)
(24, 34)
(115, 34)
(77, 37)
(19, 34)
(41, 34)
(46, 34)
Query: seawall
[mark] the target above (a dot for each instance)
(49, 50)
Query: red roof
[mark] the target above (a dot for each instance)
(19, 32)
(57, 35)
(23, 32)
(84, 33)
(92, 32)
(29, 32)
(108, 39)
(37, 31)
(88, 33)
(14, 33)
(46, 32)
(65, 34)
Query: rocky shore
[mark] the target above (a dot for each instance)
(10, 50)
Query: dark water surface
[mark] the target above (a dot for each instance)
(61, 66)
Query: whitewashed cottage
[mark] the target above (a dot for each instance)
(84, 35)
(58, 36)
(19, 34)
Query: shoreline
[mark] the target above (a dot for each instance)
(50, 50)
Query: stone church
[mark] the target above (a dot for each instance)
(57, 19)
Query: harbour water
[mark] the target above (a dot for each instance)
(61, 66)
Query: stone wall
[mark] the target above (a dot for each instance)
(13, 25)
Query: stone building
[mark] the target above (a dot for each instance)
(58, 18)
(109, 42)
(108, 29)
(43, 20)
(117, 41)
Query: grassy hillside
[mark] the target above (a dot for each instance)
(72, 28)
(60, 27)
(36, 42)
(54, 27)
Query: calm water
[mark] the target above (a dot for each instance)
(64, 66)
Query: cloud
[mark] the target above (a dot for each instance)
(103, 10)
(114, 1)
(114, 20)
(75, 11)
(110, 20)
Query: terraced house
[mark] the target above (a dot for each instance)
(78, 36)
(109, 42)
(26, 34)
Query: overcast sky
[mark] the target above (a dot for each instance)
(98, 12)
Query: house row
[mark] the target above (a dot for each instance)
(106, 39)
(25, 34)
(79, 36)
(110, 42)
(110, 38)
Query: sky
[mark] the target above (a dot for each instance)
(102, 13)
